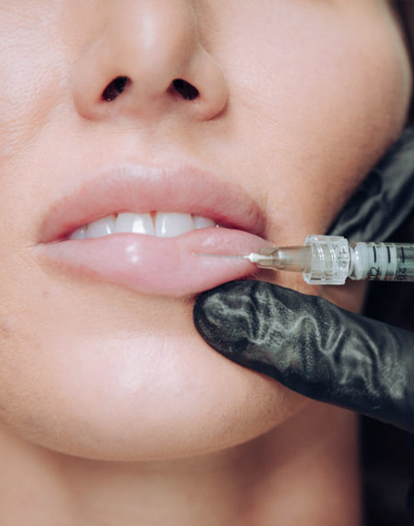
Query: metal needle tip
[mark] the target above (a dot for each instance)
(227, 256)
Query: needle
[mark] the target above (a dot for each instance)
(222, 256)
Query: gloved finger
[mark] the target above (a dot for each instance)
(385, 198)
(313, 347)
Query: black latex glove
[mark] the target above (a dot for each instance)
(313, 347)
(310, 345)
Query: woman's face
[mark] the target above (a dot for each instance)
(295, 101)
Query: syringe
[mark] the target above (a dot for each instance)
(330, 260)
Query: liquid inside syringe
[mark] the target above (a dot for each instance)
(330, 260)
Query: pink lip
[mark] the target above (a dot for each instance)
(149, 264)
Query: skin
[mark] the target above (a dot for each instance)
(112, 409)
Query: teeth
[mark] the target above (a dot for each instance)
(203, 222)
(170, 225)
(80, 233)
(102, 227)
(166, 225)
(135, 223)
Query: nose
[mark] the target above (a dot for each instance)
(148, 60)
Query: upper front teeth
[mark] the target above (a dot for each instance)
(162, 225)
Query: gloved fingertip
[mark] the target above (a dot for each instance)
(219, 315)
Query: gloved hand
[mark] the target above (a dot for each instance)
(312, 346)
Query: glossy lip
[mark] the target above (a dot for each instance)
(141, 189)
(149, 264)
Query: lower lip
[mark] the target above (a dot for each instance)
(161, 266)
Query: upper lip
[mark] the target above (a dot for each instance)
(141, 189)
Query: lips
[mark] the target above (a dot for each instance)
(146, 263)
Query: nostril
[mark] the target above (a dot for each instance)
(185, 89)
(115, 88)
(118, 85)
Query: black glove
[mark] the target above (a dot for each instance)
(313, 347)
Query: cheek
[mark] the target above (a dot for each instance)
(32, 72)
(334, 99)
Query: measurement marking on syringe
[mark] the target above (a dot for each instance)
(375, 254)
(389, 254)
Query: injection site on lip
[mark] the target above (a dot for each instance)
(160, 224)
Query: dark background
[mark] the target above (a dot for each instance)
(386, 452)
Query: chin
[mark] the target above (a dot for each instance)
(147, 399)
(141, 385)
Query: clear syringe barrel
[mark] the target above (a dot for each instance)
(381, 261)
(333, 260)
(330, 260)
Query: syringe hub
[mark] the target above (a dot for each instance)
(322, 259)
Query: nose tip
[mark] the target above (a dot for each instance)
(147, 61)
